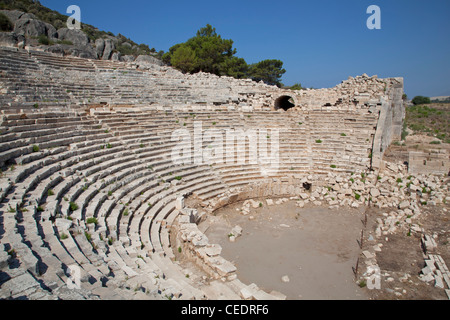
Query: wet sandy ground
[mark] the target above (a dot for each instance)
(315, 247)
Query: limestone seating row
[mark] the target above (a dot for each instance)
(301, 151)
(155, 208)
(53, 243)
(20, 141)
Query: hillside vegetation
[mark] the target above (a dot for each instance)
(432, 120)
(59, 20)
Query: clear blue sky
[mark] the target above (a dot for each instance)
(321, 42)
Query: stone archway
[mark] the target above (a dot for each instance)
(284, 102)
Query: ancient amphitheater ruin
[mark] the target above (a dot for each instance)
(89, 187)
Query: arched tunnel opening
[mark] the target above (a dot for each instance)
(285, 103)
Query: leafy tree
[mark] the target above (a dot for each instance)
(420, 100)
(216, 55)
(211, 50)
(268, 71)
(235, 67)
(184, 59)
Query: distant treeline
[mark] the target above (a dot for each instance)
(447, 100)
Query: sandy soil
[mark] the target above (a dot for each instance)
(315, 247)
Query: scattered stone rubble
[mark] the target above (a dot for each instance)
(435, 269)
(401, 195)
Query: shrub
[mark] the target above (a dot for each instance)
(73, 206)
(50, 192)
(333, 166)
(420, 100)
(63, 236)
(435, 142)
(318, 141)
(92, 220)
(43, 39)
(343, 135)
(66, 42)
(178, 178)
(5, 23)
(357, 196)
(35, 148)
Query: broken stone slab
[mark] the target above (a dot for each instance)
(427, 270)
(285, 279)
(428, 243)
(179, 204)
(300, 204)
(213, 250)
(200, 240)
(19, 284)
(236, 231)
(404, 204)
(222, 266)
(63, 224)
(269, 202)
(246, 293)
(374, 192)
(304, 195)
(368, 254)
(427, 278)
(438, 282)
(254, 203)
(4, 259)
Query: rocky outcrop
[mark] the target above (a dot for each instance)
(144, 62)
(27, 27)
(10, 39)
(14, 15)
(104, 48)
(30, 27)
(77, 37)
